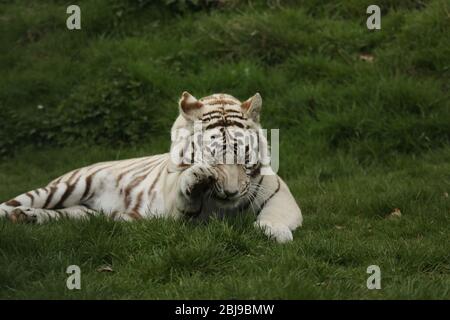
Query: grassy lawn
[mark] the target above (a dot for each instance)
(364, 121)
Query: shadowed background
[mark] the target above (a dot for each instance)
(364, 119)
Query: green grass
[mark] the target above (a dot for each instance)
(346, 229)
(358, 139)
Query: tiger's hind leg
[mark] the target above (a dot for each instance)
(55, 196)
(39, 215)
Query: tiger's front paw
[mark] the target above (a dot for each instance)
(280, 232)
(196, 179)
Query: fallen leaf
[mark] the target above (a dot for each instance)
(105, 269)
(320, 284)
(339, 227)
(396, 213)
(366, 57)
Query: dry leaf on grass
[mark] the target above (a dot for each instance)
(105, 269)
(395, 214)
(366, 57)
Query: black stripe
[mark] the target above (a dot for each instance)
(67, 193)
(51, 192)
(224, 124)
(130, 188)
(154, 183)
(89, 180)
(235, 123)
(69, 181)
(212, 112)
(138, 202)
(13, 203)
(192, 152)
(258, 186)
(215, 124)
(267, 200)
(88, 186)
(232, 111)
(137, 165)
(211, 118)
(247, 154)
(224, 146)
(29, 195)
(236, 117)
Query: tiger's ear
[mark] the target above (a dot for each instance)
(190, 107)
(252, 107)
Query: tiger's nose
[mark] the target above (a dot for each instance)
(231, 193)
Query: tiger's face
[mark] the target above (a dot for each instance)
(225, 132)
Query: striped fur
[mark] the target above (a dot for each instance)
(158, 186)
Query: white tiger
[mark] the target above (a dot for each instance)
(158, 186)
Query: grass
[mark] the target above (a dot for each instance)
(358, 139)
(347, 228)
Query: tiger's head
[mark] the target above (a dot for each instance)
(224, 132)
